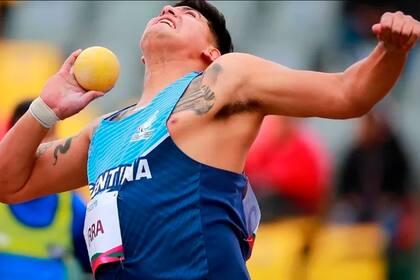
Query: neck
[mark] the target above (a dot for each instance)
(160, 74)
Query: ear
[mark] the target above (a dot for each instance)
(142, 59)
(211, 54)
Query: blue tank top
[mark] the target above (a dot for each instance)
(179, 218)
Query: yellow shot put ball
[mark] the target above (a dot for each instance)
(96, 68)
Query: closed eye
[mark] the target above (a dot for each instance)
(191, 13)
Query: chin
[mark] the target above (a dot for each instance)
(160, 33)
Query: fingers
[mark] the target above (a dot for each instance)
(406, 32)
(386, 26)
(396, 28)
(68, 64)
(397, 31)
(376, 28)
(411, 41)
(89, 96)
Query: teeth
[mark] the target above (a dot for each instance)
(167, 22)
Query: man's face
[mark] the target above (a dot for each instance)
(179, 30)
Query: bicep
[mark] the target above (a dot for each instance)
(283, 91)
(60, 166)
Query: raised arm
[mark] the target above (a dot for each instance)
(28, 169)
(276, 89)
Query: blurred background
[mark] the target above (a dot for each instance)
(339, 198)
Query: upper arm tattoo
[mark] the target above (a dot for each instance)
(62, 149)
(213, 73)
(199, 97)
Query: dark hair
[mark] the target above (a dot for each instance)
(19, 111)
(217, 22)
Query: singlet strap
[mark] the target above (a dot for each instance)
(117, 113)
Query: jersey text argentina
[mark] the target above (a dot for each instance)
(176, 218)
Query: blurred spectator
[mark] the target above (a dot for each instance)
(376, 166)
(41, 239)
(290, 172)
(288, 167)
(374, 188)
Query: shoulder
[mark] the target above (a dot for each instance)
(237, 62)
(230, 64)
(223, 87)
(225, 73)
(234, 58)
(238, 69)
(90, 129)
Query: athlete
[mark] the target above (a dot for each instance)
(169, 198)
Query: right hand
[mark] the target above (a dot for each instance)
(63, 94)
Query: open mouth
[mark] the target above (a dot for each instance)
(168, 22)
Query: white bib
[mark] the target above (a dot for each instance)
(102, 230)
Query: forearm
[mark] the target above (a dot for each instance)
(18, 154)
(57, 166)
(369, 80)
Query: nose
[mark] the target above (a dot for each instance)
(168, 9)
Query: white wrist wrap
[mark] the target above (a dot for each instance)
(43, 113)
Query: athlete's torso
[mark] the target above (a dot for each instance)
(180, 219)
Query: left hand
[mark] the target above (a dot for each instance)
(397, 31)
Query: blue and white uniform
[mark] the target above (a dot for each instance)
(178, 218)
